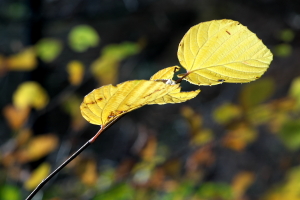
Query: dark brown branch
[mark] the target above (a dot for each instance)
(57, 170)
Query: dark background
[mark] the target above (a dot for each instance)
(160, 24)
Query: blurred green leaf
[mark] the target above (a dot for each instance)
(121, 51)
(290, 134)
(287, 35)
(120, 192)
(256, 92)
(48, 49)
(9, 192)
(83, 37)
(184, 191)
(283, 50)
(105, 68)
(215, 191)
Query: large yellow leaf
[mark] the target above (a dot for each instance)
(222, 51)
(165, 75)
(107, 103)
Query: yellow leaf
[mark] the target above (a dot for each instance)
(107, 103)
(175, 96)
(75, 70)
(37, 176)
(165, 74)
(222, 51)
(25, 60)
(38, 147)
(30, 94)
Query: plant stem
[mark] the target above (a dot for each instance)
(103, 128)
(64, 164)
(185, 75)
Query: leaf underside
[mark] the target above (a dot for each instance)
(222, 51)
(105, 104)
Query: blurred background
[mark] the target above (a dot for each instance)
(231, 142)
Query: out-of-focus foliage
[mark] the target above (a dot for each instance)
(22, 61)
(75, 70)
(105, 68)
(289, 189)
(9, 192)
(30, 94)
(37, 176)
(237, 142)
(48, 49)
(83, 37)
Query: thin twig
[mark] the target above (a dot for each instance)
(185, 75)
(103, 128)
(64, 164)
(57, 170)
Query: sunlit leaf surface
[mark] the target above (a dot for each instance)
(222, 51)
(176, 96)
(106, 103)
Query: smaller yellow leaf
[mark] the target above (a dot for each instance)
(75, 70)
(37, 176)
(23, 61)
(30, 94)
(176, 97)
(38, 147)
(165, 74)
